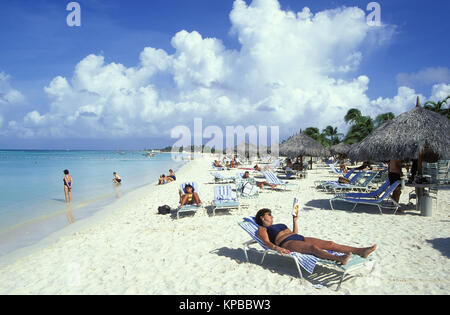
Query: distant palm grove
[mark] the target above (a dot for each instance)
(362, 126)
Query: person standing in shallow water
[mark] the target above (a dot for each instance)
(68, 181)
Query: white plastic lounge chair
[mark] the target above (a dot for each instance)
(188, 208)
(272, 179)
(219, 178)
(307, 262)
(379, 202)
(224, 200)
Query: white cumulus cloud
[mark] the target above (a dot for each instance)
(289, 71)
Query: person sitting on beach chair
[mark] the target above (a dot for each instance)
(257, 168)
(280, 238)
(217, 164)
(343, 167)
(289, 164)
(190, 197)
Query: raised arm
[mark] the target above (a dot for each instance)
(295, 224)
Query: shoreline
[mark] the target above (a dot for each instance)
(97, 210)
(133, 250)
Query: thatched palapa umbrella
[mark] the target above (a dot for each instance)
(301, 145)
(418, 134)
(341, 148)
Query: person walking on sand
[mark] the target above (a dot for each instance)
(68, 181)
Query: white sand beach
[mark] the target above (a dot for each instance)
(133, 250)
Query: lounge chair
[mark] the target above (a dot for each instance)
(366, 195)
(272, 179)
(219, 178)
(328, 185)
(224, 200)
(307, 262)
(376, 202)
(217, 168)
(246, 187)
(318, 183)
(334, 170)
(188, 208)
(362, 185)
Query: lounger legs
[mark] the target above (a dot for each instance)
(340, 281)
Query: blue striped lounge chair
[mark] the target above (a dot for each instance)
(219, 178)
(272, 179)
(381, 202)
(361, 185)
(224, 200)
(355, 179)
(188, 208)
(367, 195)
(307, 262)
(334, 170)
(318, 183)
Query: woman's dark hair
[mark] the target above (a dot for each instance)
(66, 172)
(260, 214)
(187, 186)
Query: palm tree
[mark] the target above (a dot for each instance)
(382, 118)
(353, 115)
(313, 132)
(438, 107)
(361, 127)
(332, 134)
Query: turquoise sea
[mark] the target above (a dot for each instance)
(32, 202)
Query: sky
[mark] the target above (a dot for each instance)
(134, 70)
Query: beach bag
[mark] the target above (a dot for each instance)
(164, 209)
(343, 180)
(249, 189)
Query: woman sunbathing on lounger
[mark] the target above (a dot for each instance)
(190, 197)
(278, 237)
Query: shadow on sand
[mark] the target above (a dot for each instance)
(323, 275)
(324, 204)
(442, 245)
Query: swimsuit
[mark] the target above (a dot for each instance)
(275, 229)
(294, 237)
(67, 184)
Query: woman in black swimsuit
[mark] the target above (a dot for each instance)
(278, 237)
(67, 186)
